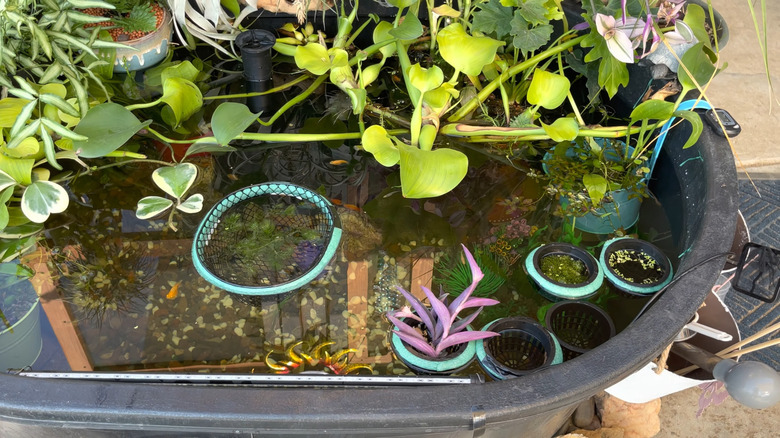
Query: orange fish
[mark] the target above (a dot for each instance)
(338, 162)
(174, 292)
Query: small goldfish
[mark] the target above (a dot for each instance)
(174, 292)
(338, 162)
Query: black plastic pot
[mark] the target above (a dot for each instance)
(697, 188)
(580, 326)
(522, 347)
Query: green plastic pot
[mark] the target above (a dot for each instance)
(21, 344)
(459, 358)
(554, 290)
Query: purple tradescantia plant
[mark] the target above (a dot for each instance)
(440, 320)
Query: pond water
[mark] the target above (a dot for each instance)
(137, 303)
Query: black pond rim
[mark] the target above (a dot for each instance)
(545, 396)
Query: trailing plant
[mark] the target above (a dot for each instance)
(441, 325)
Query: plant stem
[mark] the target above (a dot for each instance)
(512, 71)
(295, 100)
(143, 105)
(260, 93)
(297, 138)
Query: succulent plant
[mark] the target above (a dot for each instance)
(439, 325)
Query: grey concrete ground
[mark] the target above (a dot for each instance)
(742, 89)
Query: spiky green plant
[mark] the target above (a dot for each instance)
(454, 273)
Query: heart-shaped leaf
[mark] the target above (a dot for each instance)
(548, 90)
(425, 79)
(466, 53)
(29, 147)
(409, 29)
(175, 180)
(152, 206)
(10, 108)
(698, 64)
(193, 204)
(42, 198)
(382, 34)
(6, 181)
(231, 119)
(652, 109)
(696, 126)
(376, 142)
(184, 70)
(20, 169)
(313, 57)
(107, 127)
(198, 148)
(596, 186)
(183, 98)
(426, 174)
(563, 129)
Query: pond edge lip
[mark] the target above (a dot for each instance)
(556, 389)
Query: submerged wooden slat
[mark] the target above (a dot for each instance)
(59, 317)
(422, 275)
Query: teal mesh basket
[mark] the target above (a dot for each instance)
(266, 239)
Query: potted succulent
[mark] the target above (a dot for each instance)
(635, 266)
(437, 339)
(142, 26)
(563, 271)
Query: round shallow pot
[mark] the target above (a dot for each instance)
(146, 51)
(555, 290)
(635, 266)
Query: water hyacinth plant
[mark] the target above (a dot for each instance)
(440, 327)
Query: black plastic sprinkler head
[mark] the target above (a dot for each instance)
(255, 46)
(753, 384)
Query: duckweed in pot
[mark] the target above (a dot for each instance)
(636, 266)
(564, 269)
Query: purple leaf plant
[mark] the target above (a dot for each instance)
(440, 320)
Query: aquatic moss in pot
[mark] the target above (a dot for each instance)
(562, 271)
(635, 266)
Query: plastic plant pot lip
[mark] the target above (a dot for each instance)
(561, 290)
(553, 311)
(29, 311)
(645, 247)
(519, 323)
(450, 365)
(210, 221)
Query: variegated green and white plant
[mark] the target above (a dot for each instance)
(175, 181)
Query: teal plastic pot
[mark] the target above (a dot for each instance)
(626, 281)
(557, 291)
(522, 346)
(621, 212)
(460, 357)
(21, 348)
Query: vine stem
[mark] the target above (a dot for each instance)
(260, 93)
(510, 72)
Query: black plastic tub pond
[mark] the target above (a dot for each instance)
(695, 186)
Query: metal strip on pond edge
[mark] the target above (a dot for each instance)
(265, 380)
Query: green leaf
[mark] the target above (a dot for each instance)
(534, 12)
(193, 204)
(10, 108)
(184, 70)
(548, 89)
(612, 75)
(42, 198)
(652, 109)
(563, 129)
(382, 34)
(151, 206)
(401, 3)
(26, 148)
(20, 169)
(6, 181)
(376, 142)
(231, 119)
(527, 37)
(175, 180)
(426, 174)
(425, 79)
(107, 127)
(596, 186)
(409, 29)
(696, 126)
(466, 53)
(4, 197)
(313, 57)
(700, 66)
(183, 98)
(492, 17)
(694, 18)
